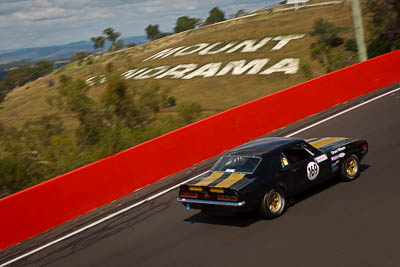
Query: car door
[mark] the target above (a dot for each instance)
(307, 172)
(322, 160)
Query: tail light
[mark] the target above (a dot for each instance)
(364, 147)
(227, 198)
(189, 195)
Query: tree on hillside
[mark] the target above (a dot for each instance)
(19, 76)
(79, 55)
(111, 36)
(42, 68)
(239, 13)
(163, 34)
(152, 32)
(216, 15)
(385, 16)
(98, 42)
(24, 74)
(119, 45)
(327, 33)
(3, 91)
(185, 23)
(73, 97)
(384, 26)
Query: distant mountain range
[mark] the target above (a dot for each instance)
(57, 52)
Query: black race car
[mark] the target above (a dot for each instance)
(262, 174)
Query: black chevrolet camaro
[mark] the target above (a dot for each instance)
(264, 173)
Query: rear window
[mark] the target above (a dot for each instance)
(242, 164)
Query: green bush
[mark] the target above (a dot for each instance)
(327, 33)
(189, 111)
(16, 174)
(378, 46)
(351, 45)
(306, 69)
(50, 83)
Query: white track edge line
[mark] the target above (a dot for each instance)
(177, 185)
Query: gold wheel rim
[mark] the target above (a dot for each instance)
(274, 202)
(351, 167)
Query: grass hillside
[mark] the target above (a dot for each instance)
(215, 94)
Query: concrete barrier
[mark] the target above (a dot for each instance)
(51, 203)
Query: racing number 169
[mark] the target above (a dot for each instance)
(312, 170)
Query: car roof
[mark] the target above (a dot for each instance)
(262, 146)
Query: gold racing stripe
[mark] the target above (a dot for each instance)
(326, 141)
(232, 179)
(208, 180)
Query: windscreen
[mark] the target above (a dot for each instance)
(242, 164)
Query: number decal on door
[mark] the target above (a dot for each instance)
(312, 170)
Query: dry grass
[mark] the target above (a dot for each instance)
(215, 94)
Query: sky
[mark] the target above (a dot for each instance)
(35, 23)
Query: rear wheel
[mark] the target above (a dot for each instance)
(350, 168)
(273, 204)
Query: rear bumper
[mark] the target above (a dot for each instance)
(211, 202)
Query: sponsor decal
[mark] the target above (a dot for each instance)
(333, 152)
(285, 162)
(336, 157)
(321, 158)
(312, 170)
(339, 156)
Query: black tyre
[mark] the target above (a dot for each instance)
(350, 168)
(273, 204)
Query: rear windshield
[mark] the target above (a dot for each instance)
(242, 164)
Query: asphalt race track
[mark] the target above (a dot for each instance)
(338, 224)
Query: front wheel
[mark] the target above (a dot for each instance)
(273, 204)
(350, 168)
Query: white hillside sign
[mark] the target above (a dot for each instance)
(188, 71)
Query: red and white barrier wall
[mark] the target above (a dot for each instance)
(51, 203)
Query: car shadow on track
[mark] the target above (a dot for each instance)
(322, 187)
(239, 220)
(248, 218)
